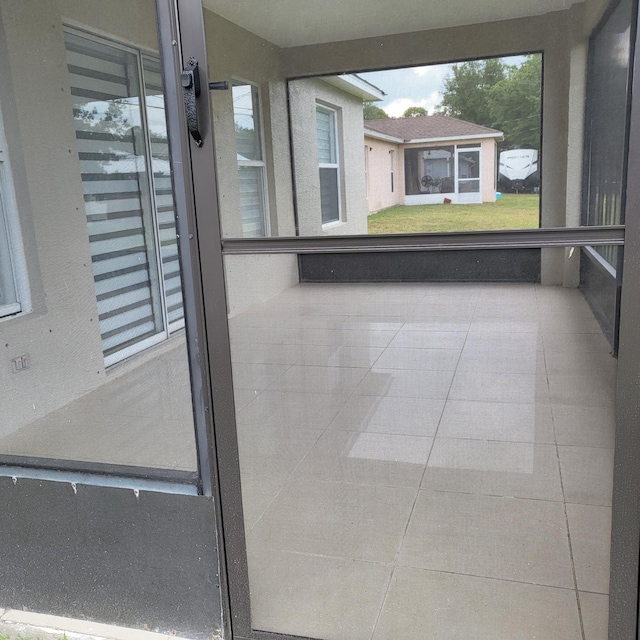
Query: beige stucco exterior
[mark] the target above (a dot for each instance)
(379, 192)
(381, 156)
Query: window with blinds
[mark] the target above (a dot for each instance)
(9, 300)
(251, 165)
(121, 135)
(329, 169)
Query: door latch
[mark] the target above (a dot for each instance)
(190, 79)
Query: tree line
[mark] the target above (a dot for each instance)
(493, 94)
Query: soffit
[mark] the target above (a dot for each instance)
(290, 23)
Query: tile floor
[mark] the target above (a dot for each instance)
(426, 461)
(418, 461)
(142, 418)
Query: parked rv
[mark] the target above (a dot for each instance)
(518, 171)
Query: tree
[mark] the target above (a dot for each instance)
(515, 104)
(465, 93)
(496, 95)
(414, 111)
(373, 112)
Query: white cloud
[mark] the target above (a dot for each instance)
(398, 106)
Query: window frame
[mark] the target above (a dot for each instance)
(149, 195)
(12, 232)
(335, 149)
(261, 165)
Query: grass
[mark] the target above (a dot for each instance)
(509, 212)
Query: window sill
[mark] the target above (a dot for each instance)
(331, 225)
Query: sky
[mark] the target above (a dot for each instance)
(415, 86)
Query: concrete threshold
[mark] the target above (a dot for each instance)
(26, 625)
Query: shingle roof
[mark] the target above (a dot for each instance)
(423, 127)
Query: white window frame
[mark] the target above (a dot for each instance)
(10, 228)
(155, 266)
(333, 115)
(260, 164)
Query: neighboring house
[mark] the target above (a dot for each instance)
(429, 160)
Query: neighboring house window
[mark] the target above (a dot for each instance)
(122, 143)
(14, 290)
(328, 163)
(251, 165)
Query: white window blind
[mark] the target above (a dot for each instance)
(329, 170)
(251, 165)
(118, 110)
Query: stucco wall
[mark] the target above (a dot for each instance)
(304, 95)
(61, 334)
(237, 54)
(379, 193)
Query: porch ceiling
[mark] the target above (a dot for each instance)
(290, 23)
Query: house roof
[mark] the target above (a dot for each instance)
(357, 86)
(422, 128)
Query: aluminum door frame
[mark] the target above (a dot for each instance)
(223, 478)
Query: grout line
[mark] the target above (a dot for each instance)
(564, 503)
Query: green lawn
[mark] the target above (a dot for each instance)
(509, 212)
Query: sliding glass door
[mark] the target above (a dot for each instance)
(121, 137)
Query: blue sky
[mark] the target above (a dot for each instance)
(414, 86)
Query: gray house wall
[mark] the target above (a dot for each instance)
(304, 95)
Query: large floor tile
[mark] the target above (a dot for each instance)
(373, 323)
(428, 359)
(590, 531)
(256, 376)
(429, 339)
(585, 426)
(592, 390)
(361, 522)
(595, 615)
(341, 356)
(507, 421)
(403, 416)
(438, 324)
(519, 469)
(431, 605)
(294, 408)
(277, 334)
(563, 322)
(367, 458)
(498, 387)
(489, 536)
(483, 336)
(313, 596)
(258, 492)
(359, 337)
(268, 353)
(494, 327)
(319, 379)
(274, 449)
(587, 474)
(573, 342)
(578, 362)
(405, 383)
(501, 359)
